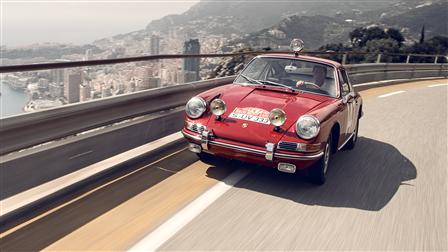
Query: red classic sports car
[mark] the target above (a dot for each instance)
(289, 112)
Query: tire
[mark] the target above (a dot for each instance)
(351, 144)
(319, 170)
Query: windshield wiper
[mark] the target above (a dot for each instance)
(253, 81)
(266, 82)
(276, 84)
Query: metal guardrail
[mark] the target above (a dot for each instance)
(87, 63)
(27, 130)
(363, 73)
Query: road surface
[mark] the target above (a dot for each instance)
(389, 193)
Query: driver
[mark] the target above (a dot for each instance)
(320, 79)
(319, 75)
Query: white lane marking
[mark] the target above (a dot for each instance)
(80, 155)
(373, 83)
(438, 85)
(36, 193)
(390, 94)
(163, 233)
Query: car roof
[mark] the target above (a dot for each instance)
(303, 57)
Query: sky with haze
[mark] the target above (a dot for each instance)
(78, 21)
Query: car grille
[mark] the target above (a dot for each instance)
(287, 146)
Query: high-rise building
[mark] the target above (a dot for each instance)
(155, 45)
(148, 82)
(72, 81)
(57, 75)
(56, 89)
(145, 78)
(192, 46)
(85, 92)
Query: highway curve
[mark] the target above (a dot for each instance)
(389, 193)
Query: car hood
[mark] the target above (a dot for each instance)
(248, 108)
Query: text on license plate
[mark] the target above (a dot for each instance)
(251, 114)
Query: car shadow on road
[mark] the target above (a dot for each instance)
(365, 178)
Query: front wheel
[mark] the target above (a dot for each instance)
(319, 170)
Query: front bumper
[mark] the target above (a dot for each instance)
(234, 150)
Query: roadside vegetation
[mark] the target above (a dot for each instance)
(389, 41)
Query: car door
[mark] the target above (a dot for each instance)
(348, 100)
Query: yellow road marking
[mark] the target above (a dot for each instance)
(123, 226)
(7, 232)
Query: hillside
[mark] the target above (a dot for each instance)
(249, 16)
(315, 31)
(256, 23)
(433, 16)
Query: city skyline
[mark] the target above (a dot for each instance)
(189, 33)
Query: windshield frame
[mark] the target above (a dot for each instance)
(335, 75)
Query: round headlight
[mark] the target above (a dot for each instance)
(195, 107)
(307, 127)
(277, 117)
(297, 45)
(218, 107)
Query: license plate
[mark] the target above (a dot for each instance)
(251, 114)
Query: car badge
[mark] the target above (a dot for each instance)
(245, 125)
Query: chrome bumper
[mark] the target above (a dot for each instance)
(250, 150)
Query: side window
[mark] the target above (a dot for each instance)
(344, 82)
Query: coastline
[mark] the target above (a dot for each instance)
(13, 100)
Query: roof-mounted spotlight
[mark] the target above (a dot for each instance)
(297, 46)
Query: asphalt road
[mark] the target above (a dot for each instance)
(389, 193)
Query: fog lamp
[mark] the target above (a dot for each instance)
(218, 107)
(277, 117)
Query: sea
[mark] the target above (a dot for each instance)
(11, 101)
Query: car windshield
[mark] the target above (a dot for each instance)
(290, 73)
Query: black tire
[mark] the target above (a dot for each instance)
(319, 170)
(352, 142)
